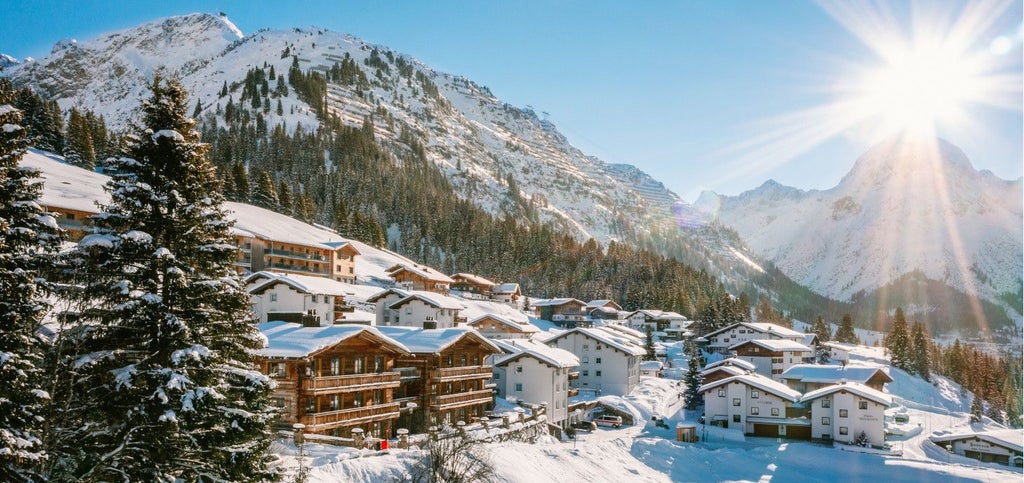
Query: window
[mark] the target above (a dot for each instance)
(597, 360)
(314, 298)
(463, 359)
(497, 375)
(334, 401)
(357, 365)
(273, 297)
(358, 400)
(863, 404)
(586, 347)
(775, 411)
(519, 387)
(586, 359)
(597, 373)
(735, 418)
(378, 364)
(721, 392)
(735, 401)
(844, 430)
(279, 370)
(825, 421)
(754, 394)
(310, 404)
(519, 369)
(335, 368)
(450, 360)
(378, 396)
(826, 403)
(843, 413)
(755, 410)
(586, 373)
(279, 402)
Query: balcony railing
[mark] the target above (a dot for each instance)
(573, 392)
(352, 415)
(297, 255)
(296, 268)
(465, 372)
(460, 320)
(483, 396)
(569, 317)
(574, 375)
(350, 382)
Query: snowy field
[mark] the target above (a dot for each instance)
(646, 453)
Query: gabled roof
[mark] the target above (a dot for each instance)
(552, 356)
(1007, 438)
(557, 302)
(854, 387)
(651, 366)
(775, 345)
(291, 340)
(343, 246)
(522, 327)
(301, 283)
(384, 293)
(434, 341)
(611, 340)
(473, 279)
(604, 303)
(657, 314)
(733, 361)
(506, 288)
(432, 299)
(731, 370)
(420, 271)
(830, 374)
(758, 381)
(618, 330)
(760, 327)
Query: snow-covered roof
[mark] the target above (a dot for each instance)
(758, 381)
(552, 356)
(731, 370)
(817, 373)
(303, 283)
(432, 299)
(384, 293)
(658, 314)
(473, 279)
(733, 361)
(420, 271)
(603, 303)
(775, 345)
(854, 387)
(1007, 438)
(650, 366)
(506, 288)
(268, 225)
(810, 339)
(434, 341)
(556, 302)
(635, 334)
(760, 327)
(290, 340)
(610, 339)
(522, 327)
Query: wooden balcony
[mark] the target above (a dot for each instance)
(469, 398)
(574, 375)
(285, 385)
(464, 372)
(350, 382)
(345, 417)
(573, 392)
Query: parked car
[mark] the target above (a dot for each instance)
(585, 425)
(608, 420)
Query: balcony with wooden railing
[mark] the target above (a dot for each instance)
(350, 382)
(350, 416)
(573, 392)
(464, 372)
(297, 255)
(469, 398)
(574, 375)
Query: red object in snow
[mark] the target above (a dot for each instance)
(383, 445)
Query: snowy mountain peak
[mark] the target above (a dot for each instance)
(907, 159)
(7, 61)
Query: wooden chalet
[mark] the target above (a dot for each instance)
(333, 379)
(468, 283)
(418, 277)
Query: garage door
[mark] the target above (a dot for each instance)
(767, 430)
(798, 432)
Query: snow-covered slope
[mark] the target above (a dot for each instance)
(907, 205)
(479, 141)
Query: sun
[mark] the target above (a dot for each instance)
(918, 89)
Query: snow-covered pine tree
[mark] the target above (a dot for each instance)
(919, 358)
(165, 382)
(78, 146)
(898, 342)
(976, 409)
(691, 397)
(28, 237)
(824, 334)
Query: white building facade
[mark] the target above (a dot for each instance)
(608, 365)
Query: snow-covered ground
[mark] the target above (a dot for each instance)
(645, 452)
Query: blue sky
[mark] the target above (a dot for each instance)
(672, 87)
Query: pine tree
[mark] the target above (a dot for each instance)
(165, 385)
(919, 356)
(821, 330)
(692, 397)
(845, 332)
(976, 409)
(241, 183)
(898, 342)
(304, 208)
(649, 344)
(28, 237)
(264, 194)
(78, 146)
(284, 197)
